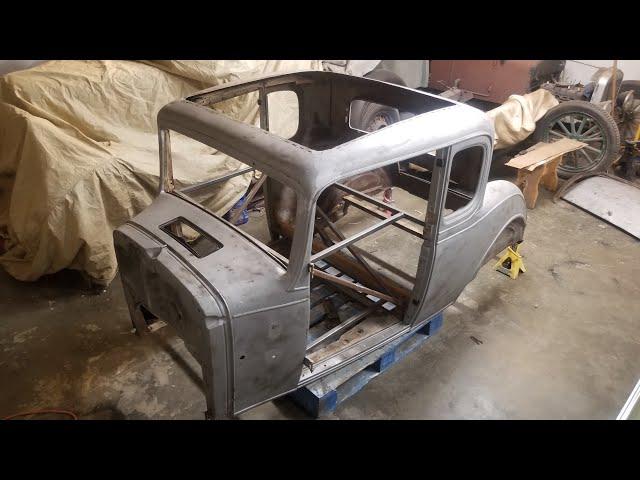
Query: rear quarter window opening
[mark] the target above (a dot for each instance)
(464, 178)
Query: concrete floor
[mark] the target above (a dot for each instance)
(561, 342)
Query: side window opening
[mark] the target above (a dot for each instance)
(375, 212)
(466, 168)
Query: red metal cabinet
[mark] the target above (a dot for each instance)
(490, 80)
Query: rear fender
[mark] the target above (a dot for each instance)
(511, 234)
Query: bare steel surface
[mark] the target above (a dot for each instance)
(616, 202)
(559, 342)
(243, 311)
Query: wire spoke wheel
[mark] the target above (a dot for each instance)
(586, 123)
(584, 128)
(381, 120)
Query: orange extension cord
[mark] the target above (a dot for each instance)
(39, 412)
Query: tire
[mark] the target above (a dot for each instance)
(631, 85)
(369, 116)
(582, 121)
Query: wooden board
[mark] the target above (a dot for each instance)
(529, 182)
(542, 153)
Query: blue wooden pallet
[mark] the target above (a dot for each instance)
(324, 395)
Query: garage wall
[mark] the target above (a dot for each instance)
(581, 70)
(415, 73)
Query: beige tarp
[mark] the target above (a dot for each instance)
(78, 154)
(516, 118)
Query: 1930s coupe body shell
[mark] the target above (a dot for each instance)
(243, 308)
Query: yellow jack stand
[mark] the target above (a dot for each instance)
(511, 263)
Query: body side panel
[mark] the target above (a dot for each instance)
(462, 251)
(260, 339)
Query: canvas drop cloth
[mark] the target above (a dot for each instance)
(79, 154)
(516, 118)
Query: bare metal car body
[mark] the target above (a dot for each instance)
(242, 308)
